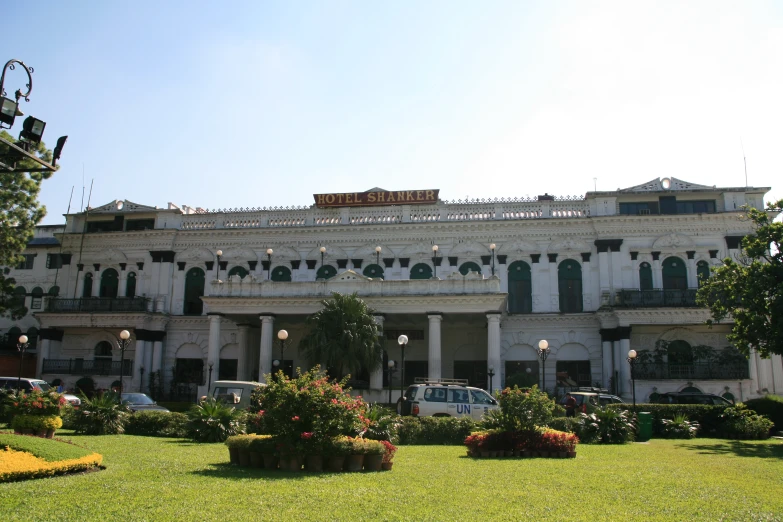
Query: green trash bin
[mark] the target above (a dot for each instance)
(644, 426)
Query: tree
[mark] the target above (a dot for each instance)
(749, 289)
(20, 212)
(343, 336)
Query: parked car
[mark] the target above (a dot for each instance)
(25, 383)
(445, 398)
(594, 399)
(141, 402)
(73, 400)
(691, 398)
(234, 392)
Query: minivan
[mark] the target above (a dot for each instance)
(234, 392)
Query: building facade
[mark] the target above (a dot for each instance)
(475, 285)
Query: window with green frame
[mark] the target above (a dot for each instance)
(110, 282)
(194, 290)
(470, 266)
(37, 298)
(702, 272)
(675, 274)
(281, 274)
(238, 270)
(645, 277)
(569, 278)
(374, 271)
(520, 290)
(421, 271)
(326, 272)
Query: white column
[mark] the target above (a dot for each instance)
(693, 282)
(765, 373)
(376, 377)
(606, 362)
(604, 272)
(122, 291)
(434, 370)
(625, 369)
(777, 374)
(657, 274)
(755, 385)
(157, 358)
(43, 353)
(265, 351)
(493, 347)
(213, 349)
(554, 288)
(147, 350)
(138, 363)
(243, 372)
(96, 284)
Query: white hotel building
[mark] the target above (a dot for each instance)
(594, 276)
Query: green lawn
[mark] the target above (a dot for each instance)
(164, 479)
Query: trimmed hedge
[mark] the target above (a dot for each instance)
(47, 449)
(708, 417)
(434, 430)
(23, 457)
(181, 407)
(157, 424)
(771, 406)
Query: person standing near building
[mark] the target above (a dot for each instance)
(570, 405)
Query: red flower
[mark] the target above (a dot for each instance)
(307, 435)
(295, 418)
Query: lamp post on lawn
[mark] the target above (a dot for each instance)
(282, 335)
(435, 259)
(122, 344)
(490, 374)
(632, 361)
(390, 365)
(219, 254)
(209, 379)
(269, 253)
(402, 340)
(543, 353)
(141, 378)
(21, 345)
(378, 255)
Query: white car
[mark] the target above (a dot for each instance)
(445, 398)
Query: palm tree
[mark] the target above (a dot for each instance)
(343, 336)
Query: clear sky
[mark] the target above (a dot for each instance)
(259, 103)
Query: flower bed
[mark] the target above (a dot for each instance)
(24, 457)
(539, 442)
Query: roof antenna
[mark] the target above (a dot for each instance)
(744, 162)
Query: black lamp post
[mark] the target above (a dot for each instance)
(632, 361)
(21, 345)
(378, 255)
(543, 353)
(141, 378)
(490, 374)
(402, 340)
(269, 253)
(10, 108)
(492, 248)
(390, 371)
(219, 254)
(435, 260)
(323, 251)
(282, 335)
(122, 344)
(209, 379)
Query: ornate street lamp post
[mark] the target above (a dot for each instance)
(323, 251)
(378, 255)
(543, 353)
(632, 361)
(402, 340)
(435, 260)
(209, 378)
(282, 335)
(219, 254)
(122, 344)
(269, 253)
(21, 345)
(490, 374)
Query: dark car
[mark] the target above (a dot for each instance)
(140, 402)
(691, 398)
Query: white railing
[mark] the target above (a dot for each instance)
(452, 212)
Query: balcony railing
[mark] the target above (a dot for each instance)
(695, 371)
(98, 304)
(657, 298)
(87, 367)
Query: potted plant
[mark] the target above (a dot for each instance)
(266, 446)
(312, 448)
(290, 458)
(240, 446)
(37, 412)
(354, 461)
(374, 452)
(336, 450)
(388, 456)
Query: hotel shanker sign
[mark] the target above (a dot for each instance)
(373, 198)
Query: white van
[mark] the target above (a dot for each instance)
(235, 392)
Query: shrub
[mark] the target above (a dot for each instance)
(246, 442)
(101, 415)
(771, 406)
(391, 449)
(338, 446)
(521, 410)
(383, 423)
(708, 417)
(157, 424)
(36, 402)
(607, 426)
(264, 444)
(37, 422)
(679, 428)
(743, 423)
(434, 430)
(567, 424)
(557, 441)
(19, 465)
(213, 421)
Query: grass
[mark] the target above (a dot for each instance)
(47, 449)
(171, 479)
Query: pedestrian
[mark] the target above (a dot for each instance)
(570, 405)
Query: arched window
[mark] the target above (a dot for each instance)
(645, 277)
(13, 335)
(238, 270)
(54, 291)
(470, 266)
(194, 290)
(103, 350)
(130, 287)
(421, 271)
(32, 337)
(281, 274)
(20, 294)
(520, 291)
(87, 287)
(102, 356)
(374, 271)
(679, 356)
(110, 283)
(702, 272)
(675, 274)
(569, 278)
(37, 298)
(326, 272)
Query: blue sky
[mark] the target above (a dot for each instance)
(243, 104)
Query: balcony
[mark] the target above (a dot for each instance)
(84, 367)
(657, 298)
(97, 304)
(694, 371)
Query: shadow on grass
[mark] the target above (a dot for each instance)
(226, 470)
(738, 448)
